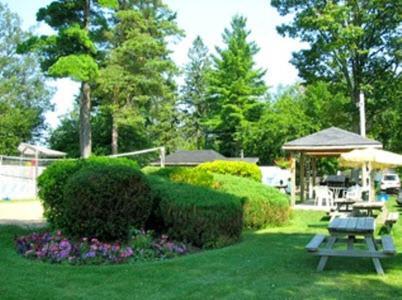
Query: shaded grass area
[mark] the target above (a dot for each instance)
(266, 264)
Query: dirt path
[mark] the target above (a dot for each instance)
(22, 212)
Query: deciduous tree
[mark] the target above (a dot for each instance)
(24, 95)
(354, 45)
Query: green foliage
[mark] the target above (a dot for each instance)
(105, 202)
(201, 216)
(236, 168)
(186, 175)
(52, 182)
(194, 94)
(24, 96)
(353, 45)
(269, 263)
(109, 3)
(51, 188)
(72, 51)
(77, 67)
(235, 88)
(284, 118)
(66, 136)
(263, 206)
(136, 84)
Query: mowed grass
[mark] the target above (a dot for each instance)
(267, 264)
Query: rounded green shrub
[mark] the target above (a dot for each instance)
(52, 181)
(236, 168)
(198, 215)
(187, 175)
(105, 201)
(51, 187)
(263, 206)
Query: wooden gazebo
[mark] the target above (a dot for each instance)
(330, 142)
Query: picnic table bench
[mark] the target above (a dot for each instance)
(349, 231)
(390, 219)
(367, 207)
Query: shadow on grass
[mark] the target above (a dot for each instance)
(318, 225)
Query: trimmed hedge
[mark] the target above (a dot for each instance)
(202, 216)
(263, 206)
(187, 175)
(236, 168)
(52, 181)
(104, 201)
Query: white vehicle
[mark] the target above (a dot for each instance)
(276, 177)
(390, 182)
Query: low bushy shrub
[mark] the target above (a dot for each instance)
(104, 201)
(51, 187)
(236, 168)
(201, 216)
(263, 206)
(187, 175)
(52, 181)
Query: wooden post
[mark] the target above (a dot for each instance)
(310, 178)
(314, 166)
(301, 177)
(293, 181)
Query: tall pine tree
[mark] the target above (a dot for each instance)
(235, 86)
(194, 93)
(137, 82)
(73, 51)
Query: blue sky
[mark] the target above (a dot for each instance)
(206, 18)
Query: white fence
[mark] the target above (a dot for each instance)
(18, 176)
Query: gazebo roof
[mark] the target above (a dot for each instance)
(331, 139)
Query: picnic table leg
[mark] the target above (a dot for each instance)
(351, 240)
(324, 259)
(376, 261)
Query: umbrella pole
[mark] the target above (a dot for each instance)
(370, 181)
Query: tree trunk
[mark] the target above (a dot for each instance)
(85, 104)
(115, 135)
(85, 121)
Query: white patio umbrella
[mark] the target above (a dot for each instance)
(371, 159)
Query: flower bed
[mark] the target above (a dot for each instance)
(56, 248)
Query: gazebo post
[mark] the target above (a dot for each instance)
(314, 167)
(310, 178)
(293, 180)
(301, 176)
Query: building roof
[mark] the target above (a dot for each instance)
(195, 157)
(31, 150)
(331, 139)
(252, 160)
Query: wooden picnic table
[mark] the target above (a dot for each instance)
(369, 207)
(350, 231)
(344, 205)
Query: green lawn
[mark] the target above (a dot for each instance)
(268, 264)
